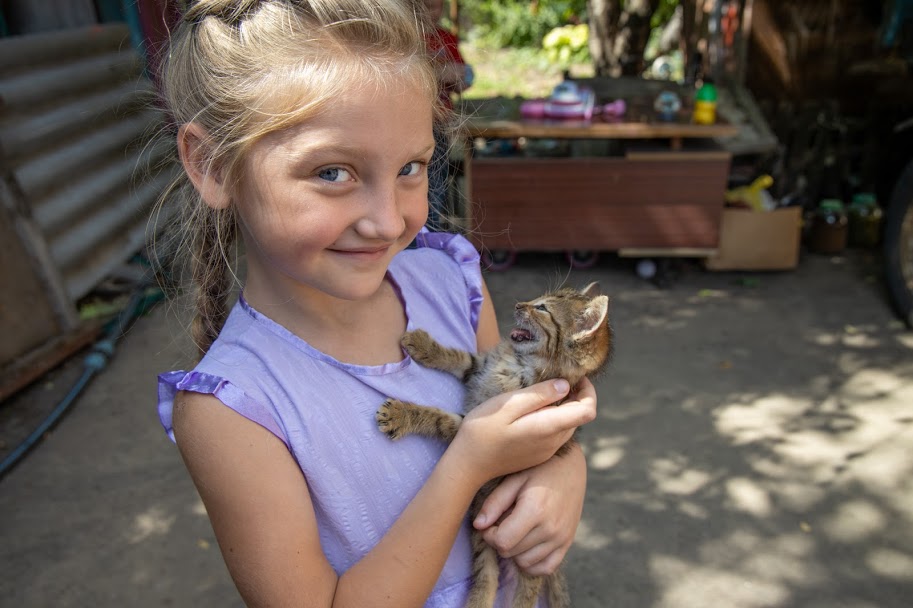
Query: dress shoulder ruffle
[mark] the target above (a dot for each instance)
(461, 251)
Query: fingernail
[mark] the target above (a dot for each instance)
(561, 386)
(480, 520)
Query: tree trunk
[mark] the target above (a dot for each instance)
(603, 20)
(633, 34)
(618, 37)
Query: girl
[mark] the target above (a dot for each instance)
(305, 127)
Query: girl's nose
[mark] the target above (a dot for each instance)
(382, 219)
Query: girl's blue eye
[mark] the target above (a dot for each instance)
(412, 168)
(334, 174)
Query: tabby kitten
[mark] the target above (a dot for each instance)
(564, 334)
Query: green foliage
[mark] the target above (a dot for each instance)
(663, 13)
(518, 23)
(568, 44)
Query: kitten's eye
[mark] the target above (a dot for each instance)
(541, 307)
(334, 174)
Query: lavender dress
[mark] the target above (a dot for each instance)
(323, 409)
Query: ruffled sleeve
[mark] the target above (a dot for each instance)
(465, 255)
(231, 395)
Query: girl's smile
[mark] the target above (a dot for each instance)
(363, 254)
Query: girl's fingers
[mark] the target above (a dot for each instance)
(540, 561)
(584, 390)
(518, 403)
(513, 537)
(569, 415)
(499, 501)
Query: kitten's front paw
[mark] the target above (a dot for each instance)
(390, 417)
(418, 343)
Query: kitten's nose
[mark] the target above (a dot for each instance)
(520, 305)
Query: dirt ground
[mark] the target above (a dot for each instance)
(752, 450)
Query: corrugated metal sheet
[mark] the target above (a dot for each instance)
(76, 124)
(30, 17)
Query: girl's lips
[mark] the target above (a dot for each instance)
(368, 253)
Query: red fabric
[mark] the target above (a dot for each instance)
(442, 43)
(444, 46)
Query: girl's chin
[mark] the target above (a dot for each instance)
(357, 287)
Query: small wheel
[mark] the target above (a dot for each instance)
(581, 258)
(898, 246)
(498, 259)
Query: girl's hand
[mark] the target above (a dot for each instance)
(532, 515)
(519, 430)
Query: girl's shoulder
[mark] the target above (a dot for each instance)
(444, 269)
(434, 254)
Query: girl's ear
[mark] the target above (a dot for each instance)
(194, 150)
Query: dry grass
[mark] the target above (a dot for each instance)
(514, 72)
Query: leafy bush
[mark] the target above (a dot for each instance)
(568, 44)
(518, 23)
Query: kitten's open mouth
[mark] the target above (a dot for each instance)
(521, 335)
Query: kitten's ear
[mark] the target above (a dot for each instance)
(593, 317)
(591, 290)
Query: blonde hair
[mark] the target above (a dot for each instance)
(242, 69)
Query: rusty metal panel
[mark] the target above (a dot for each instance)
(77, 120)
(30, 17)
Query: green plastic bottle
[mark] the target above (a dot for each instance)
(705, 104)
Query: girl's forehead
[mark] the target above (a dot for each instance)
(370, 115)
(299, 96)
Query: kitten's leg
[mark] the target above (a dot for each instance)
(484, 573)
(399, 418)
(528, 590)
(425, 350)
(558, 596)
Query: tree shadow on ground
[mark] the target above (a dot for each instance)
(752, 442)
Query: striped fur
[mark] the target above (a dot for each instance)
(564, 334)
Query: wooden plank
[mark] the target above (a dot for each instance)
(499, 117)
(38, 257)
(511, 129)
(46, 357)
(663, 156)
(667, 252)
(26, 315)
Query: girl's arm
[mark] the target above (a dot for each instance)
(547, 500)
(263, 517)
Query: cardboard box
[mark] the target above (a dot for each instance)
(758, 240)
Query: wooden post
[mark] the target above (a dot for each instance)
(455, 17)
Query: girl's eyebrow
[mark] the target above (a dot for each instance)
(319, 150)
(425, 151)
